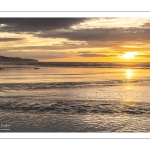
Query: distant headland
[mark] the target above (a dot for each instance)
(16, 59)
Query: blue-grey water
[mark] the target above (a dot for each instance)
(75, 97)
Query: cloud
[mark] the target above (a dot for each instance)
(10, 39)
(39, 55)
(49, 28)
(145, 25)
(45, 48)
(86, 54)
(101, 34)
(143, 55)
(70, 45)
(36, 24)
(102, 37)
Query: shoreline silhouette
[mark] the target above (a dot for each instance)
(16, 59)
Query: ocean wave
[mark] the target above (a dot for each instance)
(77, 107)
(42, 86)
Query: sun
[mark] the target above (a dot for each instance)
(129, 55)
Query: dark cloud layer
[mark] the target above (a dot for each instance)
(10, 39)
(37, 24)
(101, 34)
(48, 29)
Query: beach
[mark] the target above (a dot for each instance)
(88, 97)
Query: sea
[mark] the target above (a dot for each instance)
(75, 97)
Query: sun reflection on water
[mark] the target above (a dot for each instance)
(128, 91)
(129, 73)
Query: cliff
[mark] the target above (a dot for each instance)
(16, 59)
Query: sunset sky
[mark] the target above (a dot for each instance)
(76, 39)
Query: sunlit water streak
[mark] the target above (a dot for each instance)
(75, 99)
